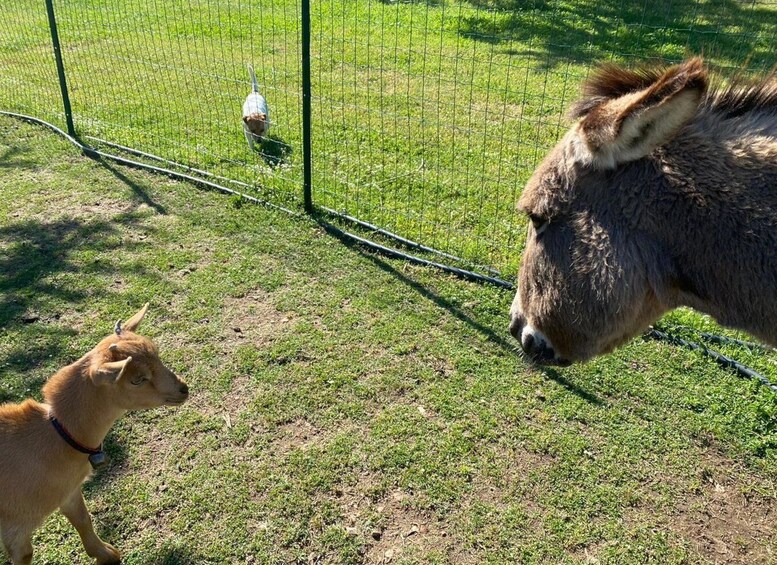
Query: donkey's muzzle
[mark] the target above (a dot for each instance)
(534, 344)
(536, 349)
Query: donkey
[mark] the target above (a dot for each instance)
(42, 459)
(662, 194)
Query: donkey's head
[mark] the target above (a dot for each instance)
(590, 278)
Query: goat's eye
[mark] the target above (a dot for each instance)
(138, 380)
(538, 222)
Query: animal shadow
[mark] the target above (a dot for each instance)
(174, 553)
(495, 337)
(274, 151)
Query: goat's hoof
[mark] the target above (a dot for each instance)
(109, 555)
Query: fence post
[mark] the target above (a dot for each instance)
(60, 68)
(307, 147)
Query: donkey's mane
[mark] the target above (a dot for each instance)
(739, 96)
(743, 95)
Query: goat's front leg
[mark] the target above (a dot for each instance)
(17, 541)
(75, 511)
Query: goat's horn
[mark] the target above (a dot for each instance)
(117, 327)
(116, 365)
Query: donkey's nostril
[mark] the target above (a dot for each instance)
(184, 389)
(536, 346)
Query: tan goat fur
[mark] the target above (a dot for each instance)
(39, 471)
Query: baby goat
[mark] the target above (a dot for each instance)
(44, 457)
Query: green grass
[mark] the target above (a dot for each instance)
(360, 395)
(428, 117)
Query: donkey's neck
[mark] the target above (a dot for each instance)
(720, 226)
(84, 408)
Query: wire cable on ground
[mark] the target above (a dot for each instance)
(722, 360)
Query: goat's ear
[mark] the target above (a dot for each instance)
(635, 113)
(133, 323)
(245, 119)
(111, 372)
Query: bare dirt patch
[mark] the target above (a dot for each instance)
(396, 529)
(229, 408)
(250, 320)
(405, 531)
(299, 434)
(240, 395)
(74, 204)
(722, 523)
(105, 207)
(253, 319)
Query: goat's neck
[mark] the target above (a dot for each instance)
(86, 410)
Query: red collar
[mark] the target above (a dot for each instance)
(70, 440)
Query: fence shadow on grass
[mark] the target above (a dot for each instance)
(36, 288)
(588, 30)
(508, 346)
(140, 193)
(9, 159)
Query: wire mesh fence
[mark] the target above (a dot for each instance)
(168, 79)
(427, 117)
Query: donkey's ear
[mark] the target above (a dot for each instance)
(133, 323)
(636, 112)
(110, 372)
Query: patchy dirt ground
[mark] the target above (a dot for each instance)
(725, 521)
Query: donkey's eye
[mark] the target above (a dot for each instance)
(538, 222)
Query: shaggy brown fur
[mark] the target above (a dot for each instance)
(663, 193)
(39, 471)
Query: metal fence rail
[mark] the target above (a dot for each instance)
(416, 123)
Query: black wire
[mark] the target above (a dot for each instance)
(722, 360)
